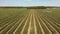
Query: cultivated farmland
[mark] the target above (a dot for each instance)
(29, 21)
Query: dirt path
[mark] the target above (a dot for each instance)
(34, 25)
(24, 26)
(34, 12)
(19, 25)
(34, 22)
(29, 25)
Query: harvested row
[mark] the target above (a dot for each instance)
(9, 26)
(53, 20)
(32, 21)
(14, 26)
(8, 23)
(54, 25)
(20, 26)
(50, 26)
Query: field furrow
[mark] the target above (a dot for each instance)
(19, 25)
(56, 32)
(29, 20)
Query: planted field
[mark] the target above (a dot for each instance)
(29, 21)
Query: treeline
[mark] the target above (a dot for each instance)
(37, 7)
(41, 7)
(32, 7)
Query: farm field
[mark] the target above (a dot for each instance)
(29, 21)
